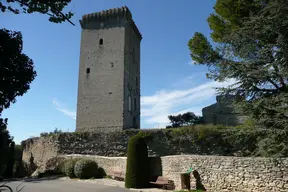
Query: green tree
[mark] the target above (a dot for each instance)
(52, 8)
(5, 142)
(16, 74)
(175, 120)
(251, 44)
(16, 68)
(185, 119)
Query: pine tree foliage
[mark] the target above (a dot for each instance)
(251, 39)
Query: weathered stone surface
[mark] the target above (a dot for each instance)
(230, 176)
(40, 149)
(184, 141)
(222, 112)
(109, 92)
(218, 172)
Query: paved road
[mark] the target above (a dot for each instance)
(57, 185)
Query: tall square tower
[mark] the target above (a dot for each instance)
(109, 72)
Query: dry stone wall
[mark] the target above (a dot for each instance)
(182, 141)
(172, 152)
(218, 173)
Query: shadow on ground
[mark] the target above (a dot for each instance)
(31, 180)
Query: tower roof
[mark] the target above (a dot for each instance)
(122, 12)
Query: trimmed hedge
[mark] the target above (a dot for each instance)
(137, 169)
(69, 167)
(61, 167)
(85, 169)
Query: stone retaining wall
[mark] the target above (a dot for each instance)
(209, 151)
(218, 173)
(182, 141)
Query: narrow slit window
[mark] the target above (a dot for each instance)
(88, 70)
(135, 104)
(101, 42)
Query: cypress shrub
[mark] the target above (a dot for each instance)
(137, 169)
(85, 169)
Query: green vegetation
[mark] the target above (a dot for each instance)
(56, 131)
(108, 177)
(243, 140)
(52, 8)
(233, 140)
(16, 73)
(17, 69)
(251, 48)
(137, 170)
(10, 161)
(85, 169)
(101, 173)
(69, 167)
(185, 119)
(145, 135)
(80, 168)
(61, 167)
(6, 140)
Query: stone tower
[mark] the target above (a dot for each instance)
(109, 72)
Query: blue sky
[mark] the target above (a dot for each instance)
(170, 83)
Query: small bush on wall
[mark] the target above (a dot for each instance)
(137, 170)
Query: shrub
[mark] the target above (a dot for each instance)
(61, 166)
(85, 169)
(101, 173)
(11, 160)
(137, 170)
(69, 167)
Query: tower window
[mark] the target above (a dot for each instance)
(88, 70)
(134, 104)
(101, 42)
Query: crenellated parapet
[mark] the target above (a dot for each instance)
(116, 13)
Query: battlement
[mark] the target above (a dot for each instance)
(115, 13)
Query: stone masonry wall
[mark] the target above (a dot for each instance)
(114, 144)
(184, 141)
(218, 173)
(108, 71)
(173, 152)
(222, 112)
